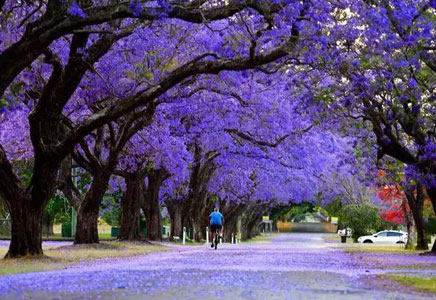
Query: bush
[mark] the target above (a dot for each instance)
(431, 226)
(363, 219)
(111, 209)
(58, 210)
(5, 228)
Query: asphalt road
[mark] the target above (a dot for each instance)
(288, 266)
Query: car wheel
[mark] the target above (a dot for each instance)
(367, 241)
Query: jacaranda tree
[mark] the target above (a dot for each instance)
(35, 30)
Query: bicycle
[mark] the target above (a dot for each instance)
(216, 238)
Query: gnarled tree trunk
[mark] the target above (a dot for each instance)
(27, 206)
(27, 211)
(26, 230)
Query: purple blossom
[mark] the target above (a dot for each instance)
(412, 83)
(76, 11)
(135, 7)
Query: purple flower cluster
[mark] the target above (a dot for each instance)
(135, 7)
(75, 11)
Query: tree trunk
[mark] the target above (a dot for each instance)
(232, 213)
(66, 185)
(47, 225)
(197, 229)
(252, 219)
(421, 243)
(198, 202)
(416, 203)
(130, 203)
(153, 216)
(87, 231)
(410, 224)
(26, 208)
(229, 229)
(87, 216)
(175, 211)
(178, 229)
(26, 230)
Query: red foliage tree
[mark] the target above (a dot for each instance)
(394, 199)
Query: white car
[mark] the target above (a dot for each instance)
(386, 237)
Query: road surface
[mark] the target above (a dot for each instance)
(287, 266)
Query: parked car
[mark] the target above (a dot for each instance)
(386, 236)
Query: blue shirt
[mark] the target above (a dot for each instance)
(216, 218)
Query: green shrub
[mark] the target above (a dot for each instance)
(431, 226)
(363, 219)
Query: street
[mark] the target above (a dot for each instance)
(285, 266)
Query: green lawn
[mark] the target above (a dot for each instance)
(426, 284)
(65, 256)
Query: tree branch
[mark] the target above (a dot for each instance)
(41, 33)
(10, 189)
(170, 80)
(274, 144)
(66, 185)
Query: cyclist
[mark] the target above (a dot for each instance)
(216, 223)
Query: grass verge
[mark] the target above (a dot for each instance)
(188, 243)
(264, 238)
(59, 237)
(334, 238)
(380, 249)
(424, 284)
(411, 267)
(66, 256)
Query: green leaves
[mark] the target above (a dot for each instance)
(58, 209)
(3, 102)
(363, 219)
